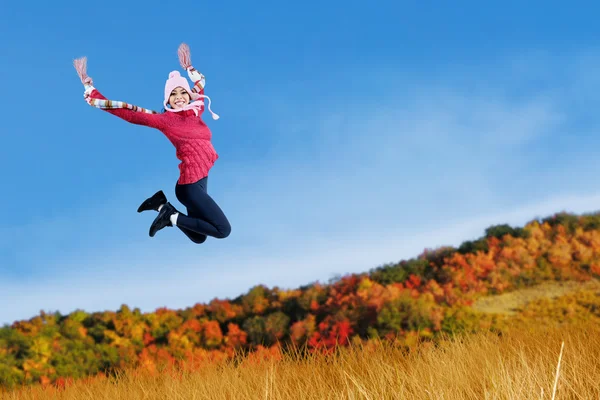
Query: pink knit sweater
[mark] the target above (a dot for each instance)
(186, 131)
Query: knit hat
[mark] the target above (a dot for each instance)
(176, 80)
(196, 102)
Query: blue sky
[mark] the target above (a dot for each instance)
(350, 136)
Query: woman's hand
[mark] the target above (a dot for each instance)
(87, 92)
(194, 75)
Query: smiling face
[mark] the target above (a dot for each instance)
(179, 98)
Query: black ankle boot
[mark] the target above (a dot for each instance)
(163, 218)
(152, 203)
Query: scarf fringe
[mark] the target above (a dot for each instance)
(185, 58)
(80, 65)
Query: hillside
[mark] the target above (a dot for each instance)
(414, 300)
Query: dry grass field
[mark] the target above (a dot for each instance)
(517, 365)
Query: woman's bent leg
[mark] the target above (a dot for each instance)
(205, 216)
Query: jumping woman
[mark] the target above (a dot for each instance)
(181, 122)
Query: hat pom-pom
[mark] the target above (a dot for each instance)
(185, 58)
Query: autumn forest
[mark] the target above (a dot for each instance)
(407, 302)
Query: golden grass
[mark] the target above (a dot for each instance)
(509, 303)
(516, 365)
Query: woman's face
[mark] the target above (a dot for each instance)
(179, 98)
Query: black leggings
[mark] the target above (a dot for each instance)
(205, 217)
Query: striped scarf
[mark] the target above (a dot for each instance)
(112, 104)
(80, 65)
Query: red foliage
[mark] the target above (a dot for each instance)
(331, 334)
(236, 337)
(314, 305)
(192, 325)
(148, 339)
